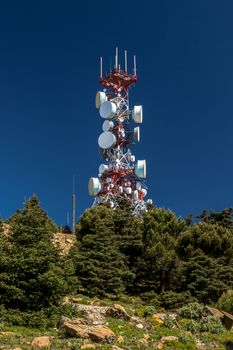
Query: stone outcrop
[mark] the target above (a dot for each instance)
(118, 311)
(64, 241)
(41, 342)
(80, 329)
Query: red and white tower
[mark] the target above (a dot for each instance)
(121, 175)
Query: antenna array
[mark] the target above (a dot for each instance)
(121, 175)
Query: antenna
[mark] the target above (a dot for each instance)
(116, 58)
(134, 64)
(101, 67)
(125, 61)
(73, 206)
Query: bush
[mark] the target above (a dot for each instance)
(191, 311)
(211, 324)
(225, 302)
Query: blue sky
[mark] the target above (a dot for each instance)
(49, 68)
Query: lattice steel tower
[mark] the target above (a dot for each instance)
(121, 176)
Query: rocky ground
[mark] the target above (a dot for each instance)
(126, 324)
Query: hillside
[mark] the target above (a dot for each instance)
(125, 324)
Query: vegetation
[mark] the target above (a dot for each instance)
(156, 261)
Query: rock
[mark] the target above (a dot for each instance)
(227, 320)
(117, 311)
(158, 319)
(159, 345)
(41, 342)
(95, 333)
(168, 338)
(211, 311)
(114, 347)
(100, 334)
(139, 326)
(88, 346)
(120, 339)
(143, 342)
(7, 333)
(76, 321)
(17, 349)
(75, 330)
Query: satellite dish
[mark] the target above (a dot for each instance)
(137, 114)
(107, 140)
(103, 168)
(140, 169)
(136, 134)
(94, 186)
(100, 98)
(108, 110)
(108, 125)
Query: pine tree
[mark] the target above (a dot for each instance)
(100, 266)
(158, 266)
(31, 275)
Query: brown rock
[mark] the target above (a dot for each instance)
(117, 311)
(95, 333)
(207, 311)
(159, 345)
(168, 338)
(114, 347)
(7, 333)
(120, 339)
(158, 320)
(41, 342)
(17, 349)
(88, 346)
(100, 333)
(227, 320)
(75, 321)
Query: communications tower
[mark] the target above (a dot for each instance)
(121, 176)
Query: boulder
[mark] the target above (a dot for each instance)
(158, 319)
(211, 311)
(75, 321)
(100, 334)
(227, 320)
(41, 342)
(118, 311)
(75, 328)
(159, 345)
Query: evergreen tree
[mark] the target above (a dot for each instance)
(31, 275)
(100, 266)
(158, 267)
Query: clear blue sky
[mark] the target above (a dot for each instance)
(49, 68)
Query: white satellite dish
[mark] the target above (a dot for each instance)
(137, 114)
(140, 169)
(136, 134)
(100, 98)
(108, 110)
(108, 125)
(94, 186)
(107, 140)
(103, 168)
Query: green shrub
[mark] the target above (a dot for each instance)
(225, 302)
(211, 324)
(191, 311)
